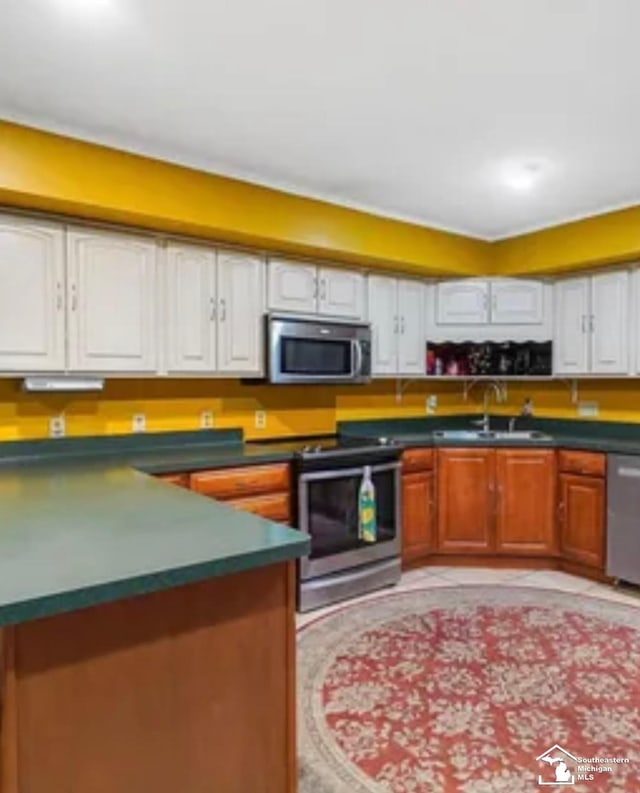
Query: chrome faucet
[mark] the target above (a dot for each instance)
(512, 423)
(485, 421)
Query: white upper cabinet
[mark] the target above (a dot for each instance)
(609, 323)
(411, 335)
(396, 311)
(32, 296)
(292, 287)
(383, 314)
(464, 302)
(592, 324)
(340, 293)
(517, 302)
(191, 305)
(111, 297)
(571, 326)
(241, 308)
(306, 289)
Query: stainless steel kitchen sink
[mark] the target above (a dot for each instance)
(488, 435)
(464, 435)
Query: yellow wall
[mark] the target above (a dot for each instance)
(596, 241)
(177, 404)
(48, 172)
(618, 400)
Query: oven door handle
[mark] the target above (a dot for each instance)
(338, 473)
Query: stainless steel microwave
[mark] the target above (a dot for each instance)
(303, 350)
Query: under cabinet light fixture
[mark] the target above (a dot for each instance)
(62, 384)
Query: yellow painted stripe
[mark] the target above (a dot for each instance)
(42, 171)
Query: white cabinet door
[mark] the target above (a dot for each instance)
(191, 309)
(112, 296)
(571, 326)
(609, 323)
(241, 309)
(32, 296)
(463, 302)
(341, 293)
(383, 314)
(517, 302)
(292, 287)
(411, 335)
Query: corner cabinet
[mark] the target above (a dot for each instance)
(241, 307)
(32, 296)
(396, 312)
(111, 299)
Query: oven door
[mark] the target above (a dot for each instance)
(328, 512)
(310, 352)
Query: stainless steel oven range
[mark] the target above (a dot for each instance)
(339, 564)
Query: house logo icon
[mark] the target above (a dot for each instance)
(560, 764)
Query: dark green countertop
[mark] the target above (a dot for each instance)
(598, 436)
(78, 529)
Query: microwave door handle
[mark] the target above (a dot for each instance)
(357, 357)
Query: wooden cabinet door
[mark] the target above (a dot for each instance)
(292, 286)
(340, 293)
(240, 313)
(412, 340)
(463, 302)
(466, 500)
(609, 323)
(32, 296)
(582, 519)
(525, 501)
(191, 309)
(517, 301)
(111, 302)
(383, 315)
(417, 515)
(571, 326)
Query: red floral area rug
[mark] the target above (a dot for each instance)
(471, 689)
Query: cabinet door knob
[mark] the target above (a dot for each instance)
(58, 295)
(74, 297)
(212, 305)
(223, 309)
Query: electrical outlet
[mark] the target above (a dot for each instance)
(138, 422)
(588, 409)
(431, 404)
(261, 419)
(57, 426)
(206, 420)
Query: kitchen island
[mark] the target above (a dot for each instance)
(148, 637)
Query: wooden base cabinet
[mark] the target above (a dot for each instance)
(525, 501)
(418, 507)
(582, 519)
(466, 483)
(496, 501)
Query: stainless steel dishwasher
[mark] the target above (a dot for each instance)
(623, 518)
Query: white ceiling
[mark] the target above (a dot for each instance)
(411, 108)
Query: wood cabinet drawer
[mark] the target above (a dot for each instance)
(576, 462)
(417, 460)
(237, 482)
(180, 480)
(276, 507)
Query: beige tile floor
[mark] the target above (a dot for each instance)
(450, 576)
